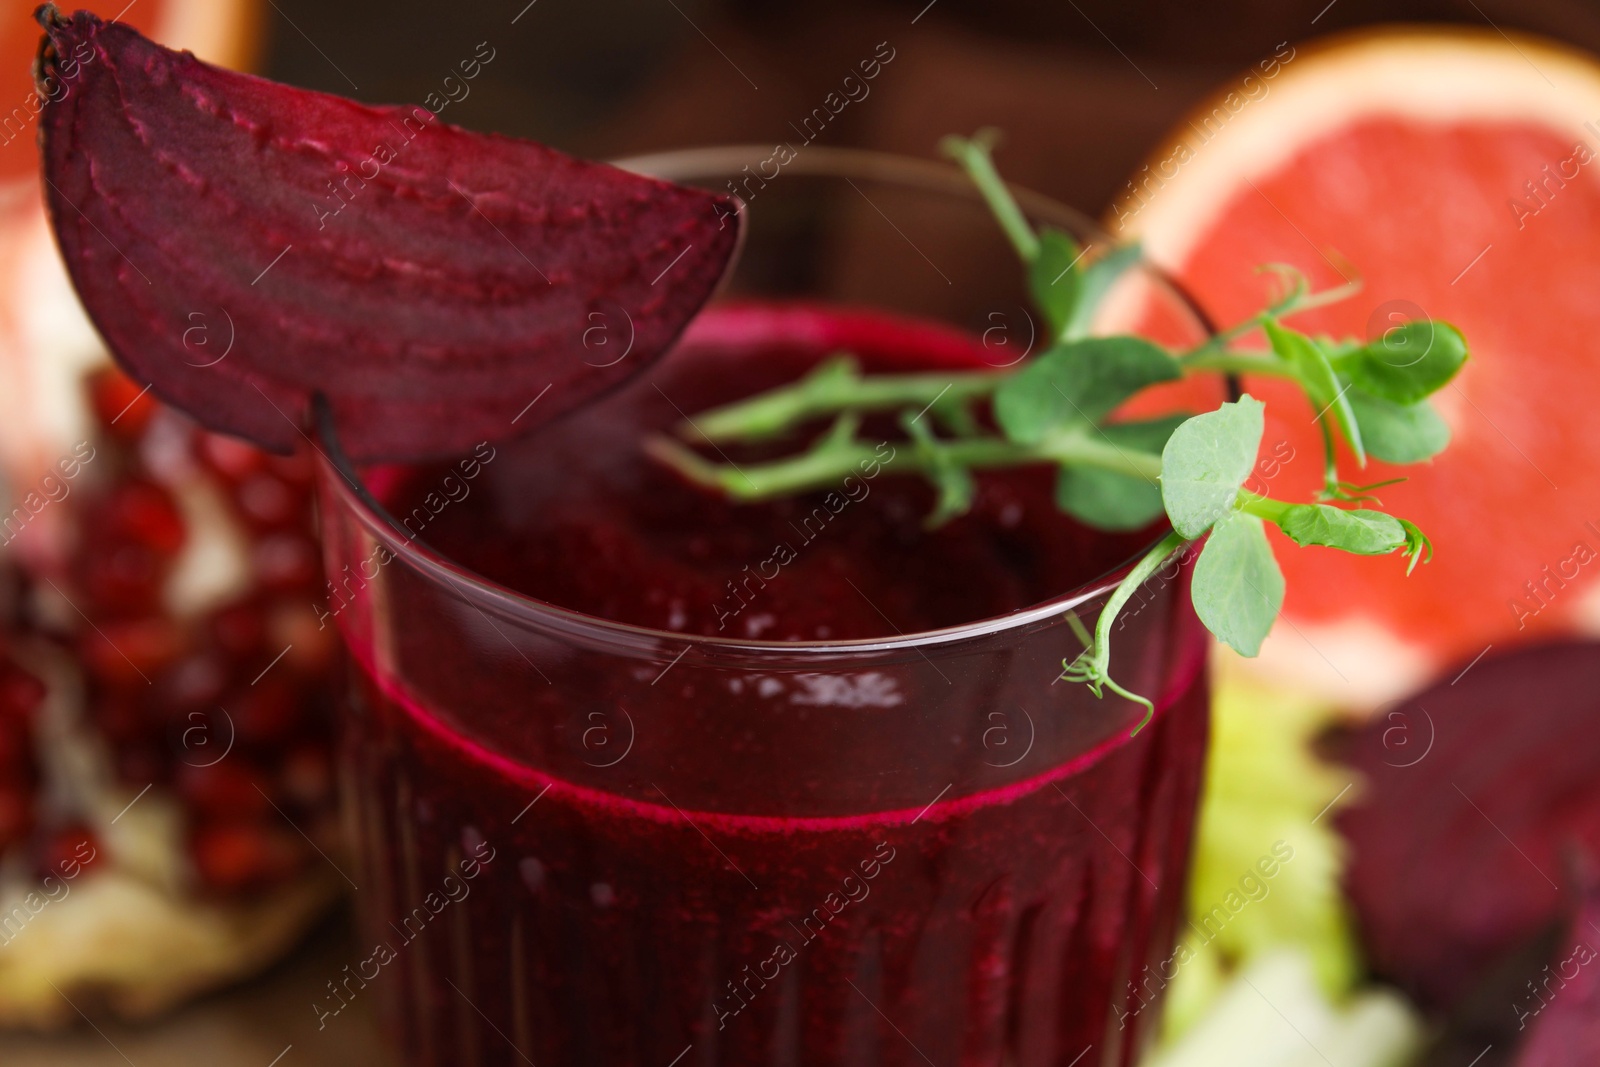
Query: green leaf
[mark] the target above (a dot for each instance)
(1069, 294)
(1107, 500)
(1321, 384)
(1205, 462)
(1238, 588)
(1054, 280)
(953, 482)
(1337, 350)
(1078, 383)
(1362, 532)
(1098, 278)
(1399, 433)
(1410, 362)
(1145, 435)
(955, 415)
(956, 489)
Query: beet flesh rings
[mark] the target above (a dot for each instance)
(243, 246)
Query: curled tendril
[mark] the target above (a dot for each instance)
(1092, 666)
(1418, 547)
(1351, 493)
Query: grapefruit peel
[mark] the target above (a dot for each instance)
(1058, 409)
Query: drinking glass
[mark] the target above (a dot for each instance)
(582, 842)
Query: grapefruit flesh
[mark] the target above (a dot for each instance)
(1457, 175)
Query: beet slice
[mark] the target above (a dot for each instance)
(1476, 795)
(243, 245)
(1559, 1004)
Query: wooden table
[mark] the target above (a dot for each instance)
(267, 1023)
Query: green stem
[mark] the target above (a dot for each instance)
(836, 388)
(1080, 449)
(829, 391)
(1330, 459)
(1263, 507)
(1142, 570)
(973, 155)
(1100, 655)
(827, 465)
(1290, 306)
(1220, 340)
(1237, 363)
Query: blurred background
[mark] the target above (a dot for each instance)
(1082, 88)
(1084, 91)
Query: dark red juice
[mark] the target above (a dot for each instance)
(756, 823)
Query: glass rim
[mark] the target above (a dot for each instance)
(483, 593)
(933, 175)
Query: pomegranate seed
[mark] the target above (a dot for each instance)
(120, 578)
(296, 468)
(225, 791)
(120, 717)
(16, 815)
(73, 846)
(194, 683)
(121, 405)
(20, 694)
(126, 531)
(267, 712)
(228, 456)
(16, 750)
(145, 513)
(307, 776)
(232, 856)
(267, 502)
(285, 562)
(132, 650)
(140, 763)
(239, 628)
(312, 644)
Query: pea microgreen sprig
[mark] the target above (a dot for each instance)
(1059, 408)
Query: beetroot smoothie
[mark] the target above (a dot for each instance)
(690, 795)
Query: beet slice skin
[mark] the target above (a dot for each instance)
(1475, 795)
(243, 246)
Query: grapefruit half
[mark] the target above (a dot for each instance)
(1456, 173)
